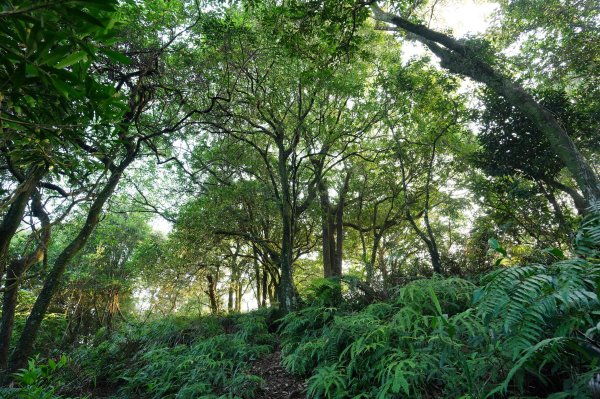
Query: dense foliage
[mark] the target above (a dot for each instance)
(528, 329)
(175, 357)
(283, 199)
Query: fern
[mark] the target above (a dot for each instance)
(410, 344)
(541, 314)
(526, 328)
(180, 357)
(328, 382)
(587, 239)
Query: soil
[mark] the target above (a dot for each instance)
(278, 383)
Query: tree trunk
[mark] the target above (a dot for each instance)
(238, 296)
(578, 200)
(339, 230)
(15, 272)
(272, 291)
(212, 294)
(9, 304)
(230, 298)
(287, 297)
(265, 288)
(385, 276)
(257, 277)
(287, 291)
(25, 345)
(14, 215)
(333, 229)
(434, 254)
(328, 229)
(558, 213)
(377, 235)
(458, 58)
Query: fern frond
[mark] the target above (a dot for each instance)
(587, 239)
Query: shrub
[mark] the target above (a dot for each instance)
(411, 345)
(528, 330)
(37, 380)
(178, 357)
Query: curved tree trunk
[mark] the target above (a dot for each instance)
(24, 346)
(212, 294)
(15, 273)
(458, 58)
(578, 200)
(12, 218)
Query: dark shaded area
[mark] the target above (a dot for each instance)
(279, 384)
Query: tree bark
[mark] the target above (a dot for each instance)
(230, 297)
(272, 291)
(212, 294)
(287, 291)
(327, 228)
(15, 272)
(257, 277)
(339, 228)
(265, 289)
(238, 295)
(365, 258)
(14, 215)
(332, 225)
(25, 344)
(578, 200)
(558, 213)
(459, 58)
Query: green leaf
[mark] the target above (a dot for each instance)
(55, 55)
(495, 245)
(86, 17)
(435, 300)
(60, 86)
(116, 56)
(400, 382)
(556, 252)
(104, 5)
(71, 59)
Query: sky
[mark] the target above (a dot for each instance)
(464, 17)
(461, 17)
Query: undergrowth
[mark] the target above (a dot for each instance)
(525, 331)
(529, 331)
(177, 357)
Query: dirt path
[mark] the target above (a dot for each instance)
(279, 384)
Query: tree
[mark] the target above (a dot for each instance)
(293, 112)
(465, 59)
(98, 289)
(46, 52)
(47, 95)
(120, 139)
(513, 145)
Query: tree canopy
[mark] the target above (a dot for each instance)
(321, 181)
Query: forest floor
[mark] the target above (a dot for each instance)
(279, 384)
